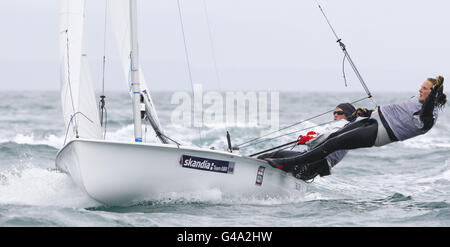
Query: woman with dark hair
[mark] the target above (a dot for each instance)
(399, 122)
(342, 115)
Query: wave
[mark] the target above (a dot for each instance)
(203, 198)
(49, 140)
(426, 142)
(440, 174)
(41, 187)
(213, 136)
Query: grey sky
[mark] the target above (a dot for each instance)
(259, 44)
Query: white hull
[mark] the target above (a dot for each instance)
(122, 173)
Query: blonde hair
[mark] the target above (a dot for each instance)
(441, 98)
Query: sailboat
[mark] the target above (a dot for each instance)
(117, 173)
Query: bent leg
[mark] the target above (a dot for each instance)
(279, 154)
(358, 135)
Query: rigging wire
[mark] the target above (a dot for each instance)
(68, 78)
(212, 47)
(185, 46)
(187, 56)
(211, 43)
(249, 143)
(346, 57)
(70, 86)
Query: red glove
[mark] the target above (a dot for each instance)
(309, 136)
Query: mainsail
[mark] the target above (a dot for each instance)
(120, 15)
(78, 99)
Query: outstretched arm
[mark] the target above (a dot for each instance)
(426, 112)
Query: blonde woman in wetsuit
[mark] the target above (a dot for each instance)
(398, 122)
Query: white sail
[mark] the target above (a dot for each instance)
(119, 10)
(122, 173)
(78, 99)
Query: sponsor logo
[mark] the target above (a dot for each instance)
(206, 164)
(260, 175)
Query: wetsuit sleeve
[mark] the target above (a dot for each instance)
(426, 113)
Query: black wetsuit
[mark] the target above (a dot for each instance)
(359, 134)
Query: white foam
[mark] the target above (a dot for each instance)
(216, 196)
(41, 187)
(211, 195)
(125, 133)
(50, 140)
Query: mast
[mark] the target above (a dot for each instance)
(123, 14)
(134, 67)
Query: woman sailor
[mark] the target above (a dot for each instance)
(342, 115)
(399, 122)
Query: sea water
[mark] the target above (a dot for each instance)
(401, 184)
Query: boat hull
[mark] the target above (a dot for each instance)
(120, 173)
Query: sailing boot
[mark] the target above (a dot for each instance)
(361, 134)
(311, 170)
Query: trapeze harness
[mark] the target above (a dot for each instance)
(398, 122)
